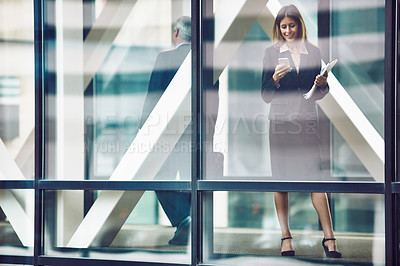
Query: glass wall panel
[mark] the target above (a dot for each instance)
(17, 110)
(123, 225)
(265, 127)
(360, 73)
(245, 229)
(16, 222)
(121, 90)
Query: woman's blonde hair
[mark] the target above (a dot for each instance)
(292, 12)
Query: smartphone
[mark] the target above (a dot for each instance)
(284, 61)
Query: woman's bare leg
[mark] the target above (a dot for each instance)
(282, 210)
(320, 202)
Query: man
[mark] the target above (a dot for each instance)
(176, 205)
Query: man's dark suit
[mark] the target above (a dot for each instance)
(175, 204)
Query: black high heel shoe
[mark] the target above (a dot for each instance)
(330, 254)
(288, 253)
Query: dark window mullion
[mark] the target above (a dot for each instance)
(196, 129)
(272, 186)
(113, 185)
(390, 127)
(39, 36)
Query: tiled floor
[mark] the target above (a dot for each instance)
(229, 246)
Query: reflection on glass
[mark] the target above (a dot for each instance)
(129, 86)
(17, 90)
(245, 229)
(351, 140)
(16, 222)
(360, 73)
(113, 65)
(121, 107)
(135, 228)
(17, 125)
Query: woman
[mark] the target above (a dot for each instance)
(291, 67)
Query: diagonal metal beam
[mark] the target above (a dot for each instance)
(9, 203)
(8, 167)
(355, 128)
(234, 35)
(25, 153)
(266, 20)
(102, 35)
(166, 124)
(20, 222)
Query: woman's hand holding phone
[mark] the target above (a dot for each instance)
(281, 70)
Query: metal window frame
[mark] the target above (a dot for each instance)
(200, 188)
(39, 41)
(196, 99)
(16, 259)
(391, 20)
(276, 186)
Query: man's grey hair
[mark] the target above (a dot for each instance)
(184, 25)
